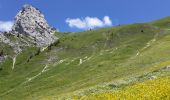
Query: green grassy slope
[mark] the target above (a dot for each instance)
(85, 60)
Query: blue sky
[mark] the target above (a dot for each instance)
(57, 12)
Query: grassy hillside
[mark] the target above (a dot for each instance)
(88, 62)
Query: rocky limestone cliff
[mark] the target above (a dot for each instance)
(30, 22)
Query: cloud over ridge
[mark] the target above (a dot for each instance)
(89, 22)
(6, 25)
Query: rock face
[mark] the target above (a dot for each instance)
(30, 22)
(14, 44)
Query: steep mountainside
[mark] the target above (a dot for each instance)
(91, 62)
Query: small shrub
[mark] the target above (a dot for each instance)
(49, 47)
(1, 53)
(30, 57)
(38, 52)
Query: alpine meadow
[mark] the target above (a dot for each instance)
(121, 62)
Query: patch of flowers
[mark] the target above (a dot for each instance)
(156, 89)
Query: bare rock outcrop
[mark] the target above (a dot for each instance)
(30, 22)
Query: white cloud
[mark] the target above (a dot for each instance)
(6, 25)
(89, 22)
(107, 21)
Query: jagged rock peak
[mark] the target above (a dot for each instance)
(30, 22)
